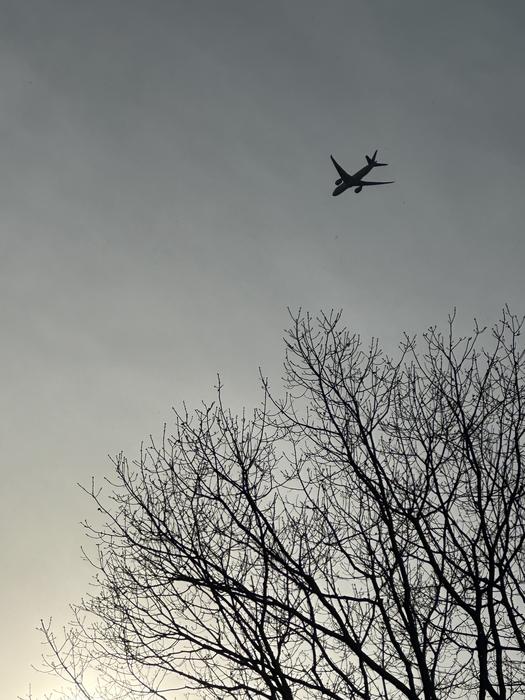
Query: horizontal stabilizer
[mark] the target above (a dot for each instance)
(373, 163)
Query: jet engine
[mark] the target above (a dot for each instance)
(338, 182)
(358, 189)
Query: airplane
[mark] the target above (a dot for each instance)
(346, 181)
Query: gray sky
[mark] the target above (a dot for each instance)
(165, 194)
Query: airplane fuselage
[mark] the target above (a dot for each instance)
(360, 174)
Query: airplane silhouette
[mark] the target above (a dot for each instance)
(346, 181)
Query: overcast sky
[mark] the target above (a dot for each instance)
(165, 194)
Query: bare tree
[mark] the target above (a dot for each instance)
(363, 537)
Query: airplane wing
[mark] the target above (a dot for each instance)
(364, 183)
(342, 172)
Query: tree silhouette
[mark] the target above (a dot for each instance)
(362, 537)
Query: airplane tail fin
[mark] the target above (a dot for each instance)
(372, 161)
